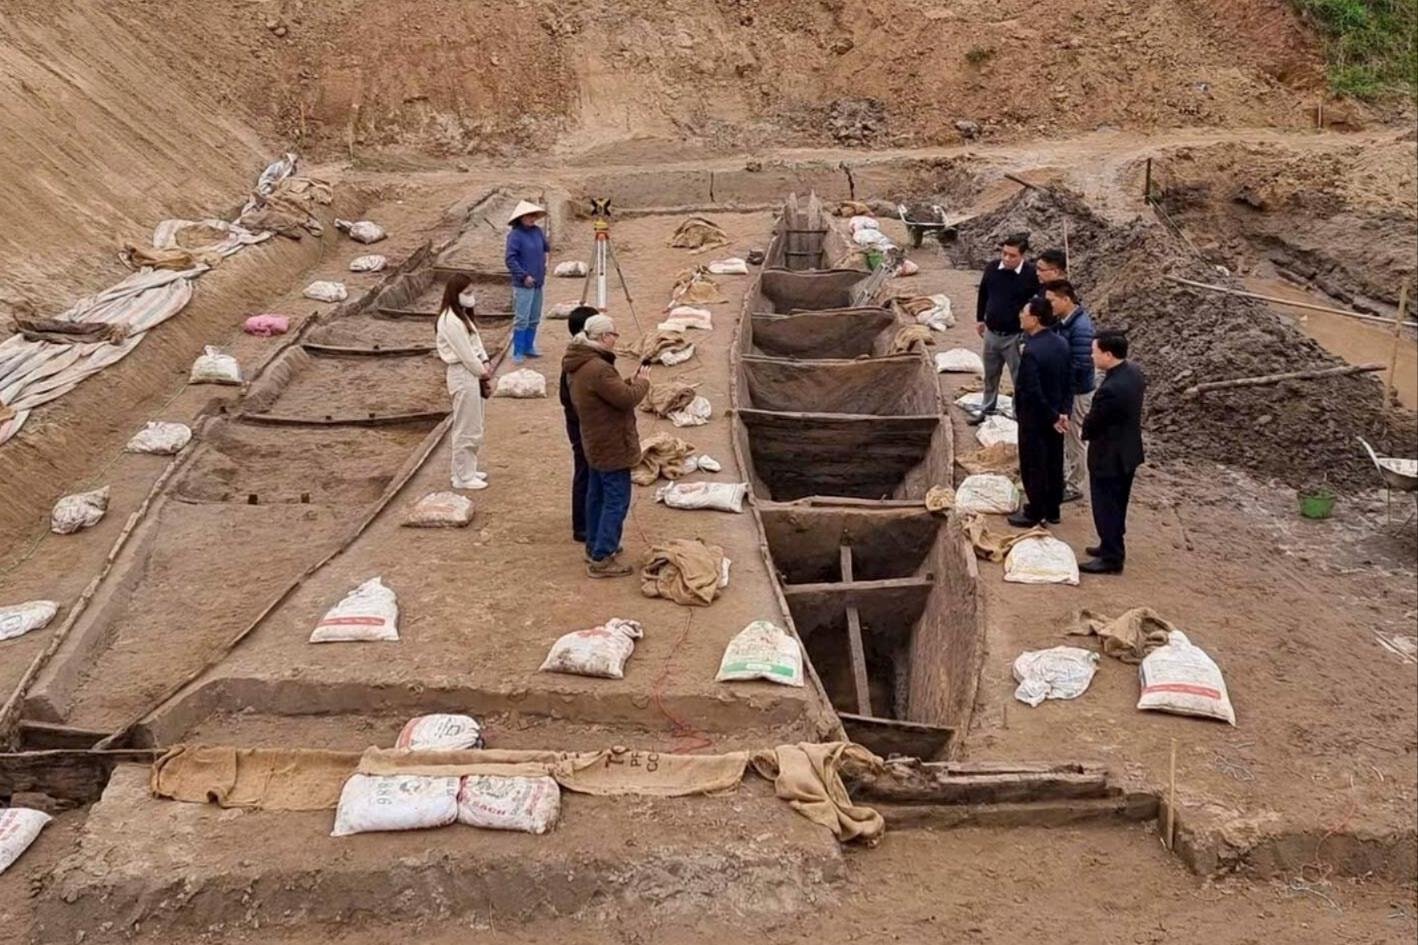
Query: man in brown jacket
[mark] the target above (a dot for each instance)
(605, 403)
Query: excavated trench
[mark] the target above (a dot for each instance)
(841, 440)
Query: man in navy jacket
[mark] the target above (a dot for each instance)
(1076, 326)
(1113, 429)
(1043, 399)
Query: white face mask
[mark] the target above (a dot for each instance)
(468, 299)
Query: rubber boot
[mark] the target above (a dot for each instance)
(529, 346)
(519, 345)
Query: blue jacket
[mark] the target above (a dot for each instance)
(527, 248)
(1044, 390)
(1078, 332)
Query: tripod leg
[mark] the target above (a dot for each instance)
(630, 303)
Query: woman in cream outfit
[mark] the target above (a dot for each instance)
(461, 348)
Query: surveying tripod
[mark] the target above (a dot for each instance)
(602, 257)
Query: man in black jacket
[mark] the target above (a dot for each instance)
(1113, 431)
(1043, 398)
(580, 472)
(1005, 287)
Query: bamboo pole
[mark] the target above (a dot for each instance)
(1279, 301)
(1266, 380)
(1398, 317)
(1068, 257)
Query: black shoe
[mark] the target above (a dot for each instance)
(579, 539)
(1020, 520)
(1099, 566)
(1054, 521)
(1093, 551)
(1071, 495)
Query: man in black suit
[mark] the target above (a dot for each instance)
(1113, 431)
(1043, 399)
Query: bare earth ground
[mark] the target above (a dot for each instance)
(1323, 750)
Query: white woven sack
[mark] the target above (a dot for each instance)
(440, 510)
(18, 619)
(19, 827)
(975, 399)
(997, 429)
(696, 413)
(215, 366)
(78, 511)
(521, 384)
(373, 263)
(959, 361)
(600, 651)
(762, 650)
(1182, 679)
(372, 803)
(323, 291)
(160, 438)
(440, 732)
(986, 493)
(732, 266)
(723, 496)
(1060, 672)
(361, 231)
(570, 269)
(1041, 560)
(531, 805)
(370, 612)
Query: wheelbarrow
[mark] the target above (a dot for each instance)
(921, 219)
(1399, 475)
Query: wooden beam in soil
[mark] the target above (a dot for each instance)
(341, 351)
(271, 419)
(76, 775)
(854, 641)
(1127, 807)
(1293, 303)
(1267, 380)
(887, 737)
(924, 785)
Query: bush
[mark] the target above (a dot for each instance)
(1369, 45)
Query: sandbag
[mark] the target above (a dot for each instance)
(440, 510)
(440, 732)
(975, 399)
(733, 266)
(361, 231)
(265, 326)
(562, 310)
(987, 494)
(18, 619)
(1182, 679)
(215, 366)
(672, 356)
(723, 496)
(531, 805)
(694, 414)
(1041, 560)
(600, 651)
(521, 384)
(81, 510)
(1060, 672)
(370, 803)
(19, 827)
(160, 438)
(762, 650)
(367, 613)
(706, 463)
(569, 269)
(959, 361)
(372, 263)
(323, 291)
(688, 316)
(997, 429)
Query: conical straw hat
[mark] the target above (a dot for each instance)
(523, 208)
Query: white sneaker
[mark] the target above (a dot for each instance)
(473, 486)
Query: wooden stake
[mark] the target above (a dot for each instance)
(854, 640)
(1279, 301)
(1266, 380)
(1147, 183)
(1172, 800)
(1068, 257)
(1398, 318)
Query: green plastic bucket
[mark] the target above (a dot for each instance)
(874, 259)
(1317, 503)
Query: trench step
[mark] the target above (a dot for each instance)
(173, 868)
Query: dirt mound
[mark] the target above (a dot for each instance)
(1300, 433)
(1342, 218)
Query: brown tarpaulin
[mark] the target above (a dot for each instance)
(809, 777)
(1001, 458)
(148, 257)
(987, 544)
(662, 454)
(911, 338)
(683, 570)
(665, 397)
(59, 332)
(1130, 637)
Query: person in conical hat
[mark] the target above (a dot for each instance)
(527, 252)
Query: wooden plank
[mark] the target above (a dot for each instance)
(850, 588)
(790, 420)
(919, 786)
(337, 351)
(854, 641)
(42, 736)
(271, 419)
(1267, 380)
(1127, 807)
(73, 775)
(887, 737)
